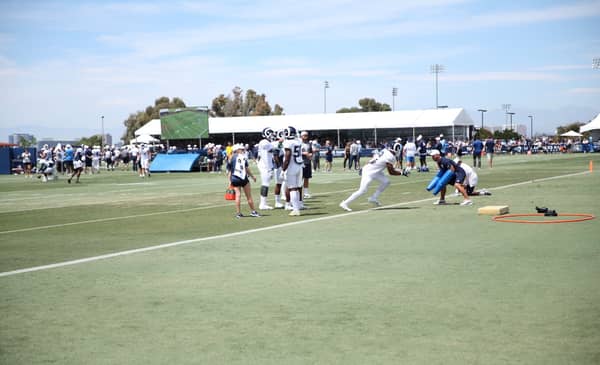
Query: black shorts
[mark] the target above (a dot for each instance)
(458, 178)
(306, 171)
(237, 182)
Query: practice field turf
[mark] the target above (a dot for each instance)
(123, 270)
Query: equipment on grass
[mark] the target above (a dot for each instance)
(439, 181)
(230, 193)
(493, 210)
(434, 181)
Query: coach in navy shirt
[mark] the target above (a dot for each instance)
(445, 164)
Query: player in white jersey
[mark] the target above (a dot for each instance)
(471, 179)
(410, 150)
(96, 160)
(292, 166)
(145, 157)
(265, 166)
(374, 171)
(278, 155)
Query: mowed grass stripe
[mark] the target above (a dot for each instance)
(233, 234)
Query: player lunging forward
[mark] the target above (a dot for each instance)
(374, 171)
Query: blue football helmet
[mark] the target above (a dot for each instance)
(291, 133)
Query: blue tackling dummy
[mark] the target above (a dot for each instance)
(439, 181)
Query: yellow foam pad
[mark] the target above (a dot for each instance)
(493, 210)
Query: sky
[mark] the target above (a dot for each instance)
(65, 64)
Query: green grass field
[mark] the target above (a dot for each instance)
(184, 282)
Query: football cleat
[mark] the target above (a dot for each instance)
(294, 213)
(439, 202)
(254, 213)
(466, 202)
(374, 201)
(345, 207)
(265, 207)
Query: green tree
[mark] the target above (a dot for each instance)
(367, 105)
(95, 140)
(572, 126)
(239, 103)
(483, 133)
(506, 134)
(137, 120)
(277, 110)
(25, 142)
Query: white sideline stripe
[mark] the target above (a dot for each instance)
(234, 234)
(110, 219)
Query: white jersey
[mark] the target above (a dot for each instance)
(265, 155)
(471, 176)
(410, 149)
(239, 165)
(294, 145)
(145, 154)
(379, 163)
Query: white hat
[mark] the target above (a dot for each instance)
(434, 152)
(419, 137)
(304, 133)
(398, 139)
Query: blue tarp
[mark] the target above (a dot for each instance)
(175, 162)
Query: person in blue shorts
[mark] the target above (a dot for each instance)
(457, 180)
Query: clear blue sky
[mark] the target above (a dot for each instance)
(63, 64)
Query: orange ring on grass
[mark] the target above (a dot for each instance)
(507, 218)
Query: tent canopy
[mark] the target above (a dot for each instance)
(593, 125)
(571, 133)
(314, 122)
(144, 138)
(151, 128)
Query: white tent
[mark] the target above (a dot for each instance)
(144, 138)
(571, 134)
(152, 128)
(591, 126)
(315, 122)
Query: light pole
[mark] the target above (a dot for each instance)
(325, 87)
(436, 69)
(482, 111)
(511, 114)
(102, 136)
(531, 125)
(394, 94)
(506, 108)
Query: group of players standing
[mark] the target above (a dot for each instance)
(286, 157)
(75, 160)
(282, 156)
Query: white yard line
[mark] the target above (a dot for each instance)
(234, 234)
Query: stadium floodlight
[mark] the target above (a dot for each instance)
(436, 69)
(596, 63)
(511, 124)
(482, 111)
(531, 125)
(102, 136)
(325, 87)
(394, 94)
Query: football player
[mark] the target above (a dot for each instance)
(292, 167)
(265, 166)
(374, 171)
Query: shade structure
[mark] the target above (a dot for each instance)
(571, 134)
(151, 128)
(144, 138)
(591, 126)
